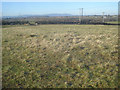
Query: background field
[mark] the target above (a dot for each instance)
(60, 56)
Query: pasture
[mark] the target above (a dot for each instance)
(60, 56)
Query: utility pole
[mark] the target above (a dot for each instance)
(108, 17)
(81, 15)
(103, 17)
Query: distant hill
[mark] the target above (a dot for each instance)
(58, 15)
(46, 15)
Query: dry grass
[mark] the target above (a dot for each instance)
(60, 56)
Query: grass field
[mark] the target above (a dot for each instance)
(114, 22)
(60, 56)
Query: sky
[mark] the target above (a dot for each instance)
(43, 8)
(60, 0)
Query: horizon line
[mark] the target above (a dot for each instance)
(57, 14)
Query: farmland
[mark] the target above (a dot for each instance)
(60, 56)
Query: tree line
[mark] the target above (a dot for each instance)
(85, 20)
